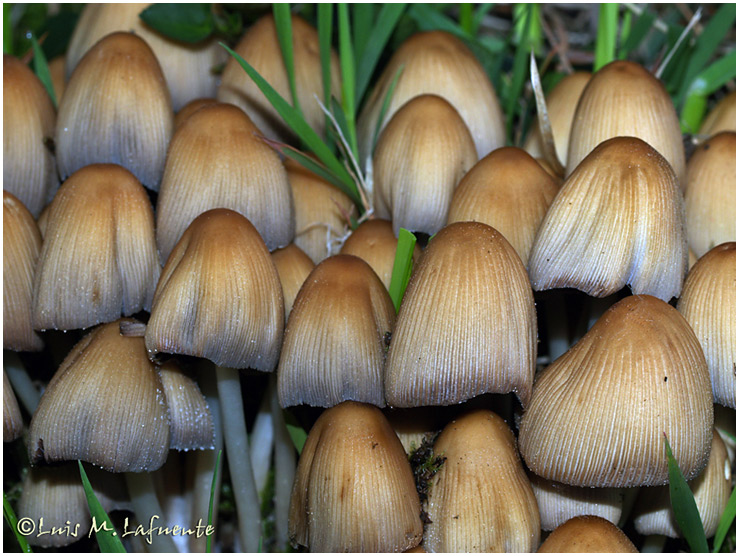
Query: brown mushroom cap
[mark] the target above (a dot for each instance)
(587, 534)
(293, 266)
(12, 419)
(722, 117)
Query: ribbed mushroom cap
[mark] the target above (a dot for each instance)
(21, 247)
(724, 421)
(293, 267)
(437, 63)
(624, 99)
(509, 191)
(559, 502)
(708, 303)
(480, 500)
(99, 258)
(12, 419)
(116, 109)
(420, 157)
(334, 348)
(710, 197)
(375, 243)
(467, 324)
(219, 296)
(561, 104)
(55, 494)
(321, 211)
(105, 405)
(587, 534)
(216, 160)
(190, 420)
(599, 414)
(187, 67)
(260, 47)
(190, 108)
(29, 168)
(653, 511)
(722, 117)
(619, 219)
(58, 78)
(354, 489)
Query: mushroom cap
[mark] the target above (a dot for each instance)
(354, 488)
(12, 419)
(219, 296)
(600, 413)
(467, 323)
(293, 266)
(191, 423)
(587, 534)
(722, 117)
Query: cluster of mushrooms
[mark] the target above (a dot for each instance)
(149, 212)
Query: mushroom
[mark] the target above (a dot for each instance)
(722, 117)
(293, 267)
(587, 534)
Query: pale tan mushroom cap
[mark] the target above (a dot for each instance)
(587, 534)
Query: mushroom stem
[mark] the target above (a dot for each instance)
(239, 460)
(262, 437)
(22, 385)
(556, 315)
(147, 509)
(284, 469)
(653, 543)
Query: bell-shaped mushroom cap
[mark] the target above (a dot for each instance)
(587, 534)
(21, 247)
(559, 502)
(58, 79)
(561, 104)
(105, 405)
(354, 488)
(509, 191)
(190, 420)
(321, 212)
(722, 117)
(480, 500)
(619, 219)
(600, 413)
(437, 63)
(624, 99)
(12, 420)
(653, 511)
(293, 267)
(708, 303)
(219, 296)
(260, 47)
(710, 196)
(29, 168)
(190, 108)
(216, 160)
(467, 324)
(116, 109)
(375, 243)
(55, 494)
(334, 347)
(421, 155)
(187, 67)
(99, 258)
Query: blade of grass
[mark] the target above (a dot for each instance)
(41, 68)
(108, 539)
(707, 82)
(284, 26)
(480, 13)
(383, 28)
(639, 31)
(683, 505)
(297, 433)
(7, 29)
(213, 484)
(385, 106)
(301, 128)
(402, 267)
(692, 23)
(727, 518)
(189, 22)
(325, 31)
(528, 13)
(465, 18)
(13, 524)
(626, 21)
(348, 78)
(605, 39)
(363, 16)
(545, 127)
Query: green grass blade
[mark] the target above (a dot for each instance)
(605, 41)
(338, 112)
(727, 518)
(466, 21)
(363, 16)
(639, 30)
(325, 31)
(683, 505)
(7, 29)
(189, 23)
(211, 503)
(41, 68)
(626, 21)
(284, 26)
(108, 539)
(707, 82)
(297, 433)
(480, 13)
(348, 78)
(383, 28)
(529, 13)
(402, 267)
(13, 524)
(301, 128)
(385, 106)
